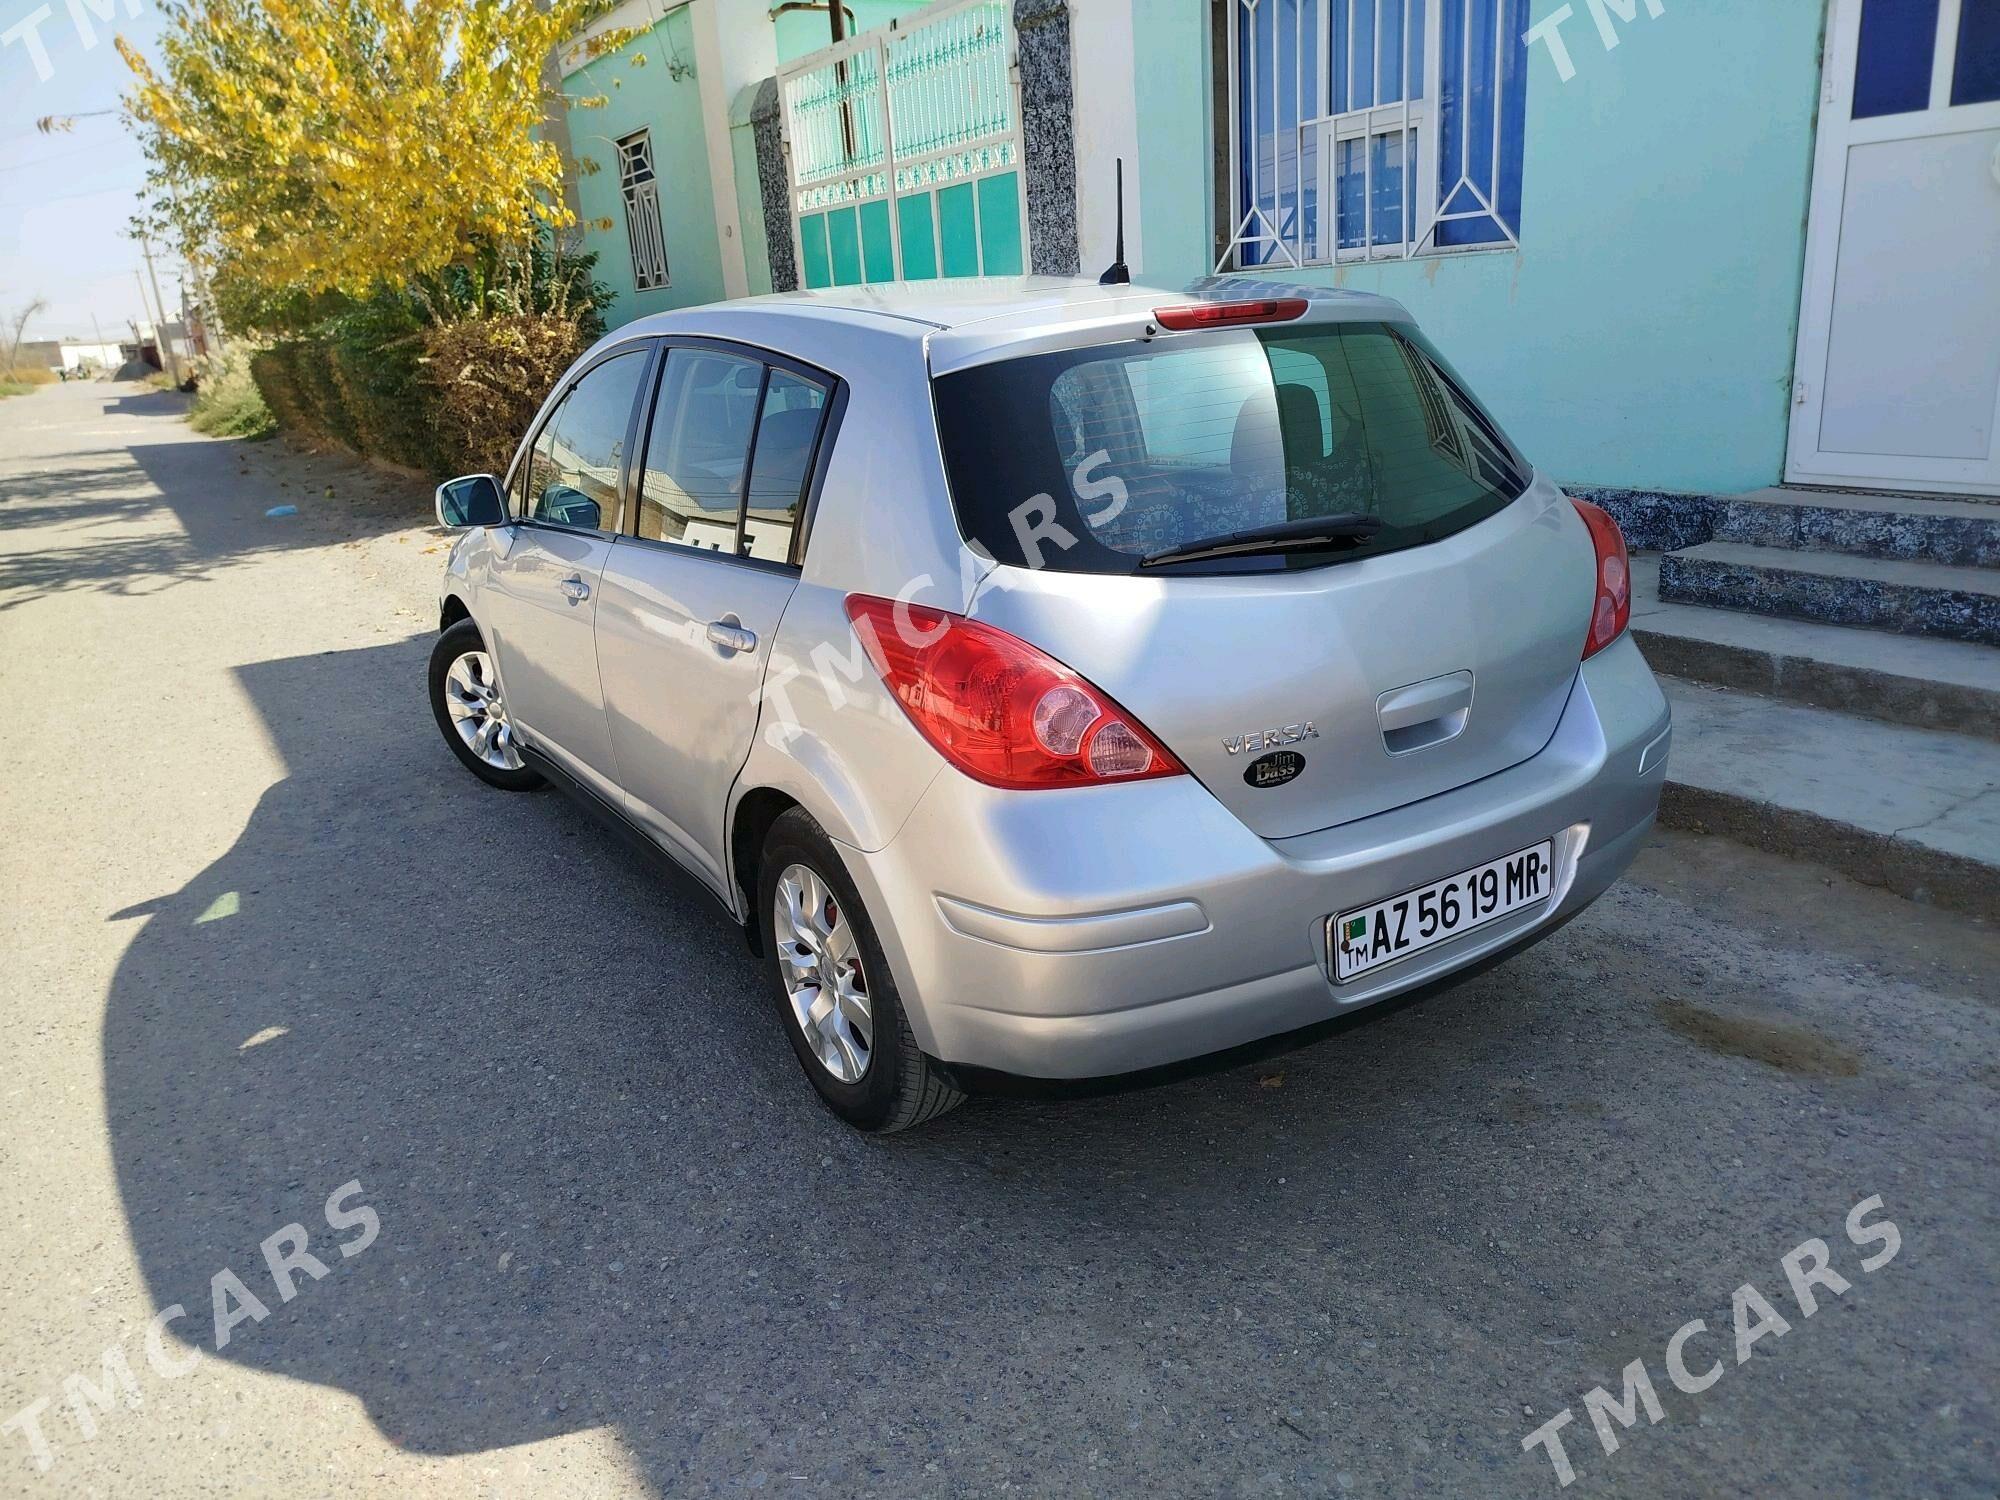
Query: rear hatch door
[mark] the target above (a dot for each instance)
(1426, 636)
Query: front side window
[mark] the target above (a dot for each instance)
(573, 469)
(1376, 128)
(1095, 460)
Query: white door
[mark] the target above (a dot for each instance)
(1898, 381)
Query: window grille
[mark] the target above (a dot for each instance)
(1375, 129)
(641, 188)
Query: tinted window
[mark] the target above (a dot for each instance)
(786, 437)
(702, 419)
(1128, 449)
(573, 470)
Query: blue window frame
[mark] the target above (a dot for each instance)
(1376, 128)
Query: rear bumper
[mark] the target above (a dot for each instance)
(1082, 935)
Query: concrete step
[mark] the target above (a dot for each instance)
(1958, 533)
(1910, 598)
(1914, 810)
(1902, 679)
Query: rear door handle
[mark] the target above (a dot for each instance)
(576, 588)
(729, 634)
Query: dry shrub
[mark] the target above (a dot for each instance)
(227, 402)
(488, 378)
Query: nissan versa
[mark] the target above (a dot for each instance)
(1061, 682)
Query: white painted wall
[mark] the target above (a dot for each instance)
(734, 45)
(106, 355)
(1107, 127)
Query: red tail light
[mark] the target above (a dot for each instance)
(997, 708)
(1228, 314)
(1611, 611)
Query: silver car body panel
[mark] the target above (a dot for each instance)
(1092, 931)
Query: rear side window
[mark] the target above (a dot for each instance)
(1089, 460)
(787, 433)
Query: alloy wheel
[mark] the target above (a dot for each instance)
(472, 696)
(824, 979)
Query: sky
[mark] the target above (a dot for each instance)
(67, 200)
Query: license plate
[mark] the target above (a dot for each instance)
(1371, 936)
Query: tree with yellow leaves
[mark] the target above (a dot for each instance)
(313, 149)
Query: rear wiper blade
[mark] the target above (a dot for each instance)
(1308, 535)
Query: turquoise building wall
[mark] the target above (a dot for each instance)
(1644, 334)
(648, 97)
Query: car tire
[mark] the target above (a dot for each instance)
(465, 698)
(897, 1086)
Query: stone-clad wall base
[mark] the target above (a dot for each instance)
(1656, 520)
(1951, 605)
(1971, 541)
(1960, 534)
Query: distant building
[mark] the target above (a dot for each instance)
(79, 355)
(45, 354)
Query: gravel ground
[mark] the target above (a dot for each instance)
(261, 938)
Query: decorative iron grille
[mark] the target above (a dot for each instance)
(894, 116)
(643, 229)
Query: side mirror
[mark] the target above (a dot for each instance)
(474, 500)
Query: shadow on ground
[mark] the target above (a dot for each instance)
(607, 1199)
(530, 1050)
(89, 520)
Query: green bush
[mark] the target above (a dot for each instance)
(227, 402)
(376, 353)
(272, 370)
(312, 368)
(441, 377)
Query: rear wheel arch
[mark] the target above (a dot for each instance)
(756, 811)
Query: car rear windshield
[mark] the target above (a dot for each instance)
(1091, 460)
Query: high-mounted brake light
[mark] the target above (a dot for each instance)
(1611, 609)
(1228, 314)
(999, 709)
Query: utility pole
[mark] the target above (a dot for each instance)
(167, 355)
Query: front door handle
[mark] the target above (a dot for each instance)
(728, 634)
(576, 588)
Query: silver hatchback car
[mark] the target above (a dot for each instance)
(1064, 684)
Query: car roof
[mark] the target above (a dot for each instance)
(957, 302)
(963, 321)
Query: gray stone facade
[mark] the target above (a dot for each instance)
(773, 186)
(1048, 135)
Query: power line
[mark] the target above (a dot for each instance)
(44, 160)
(90, 193)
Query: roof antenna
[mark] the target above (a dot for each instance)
(1116, 274)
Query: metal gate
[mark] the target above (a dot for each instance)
(903, 150)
